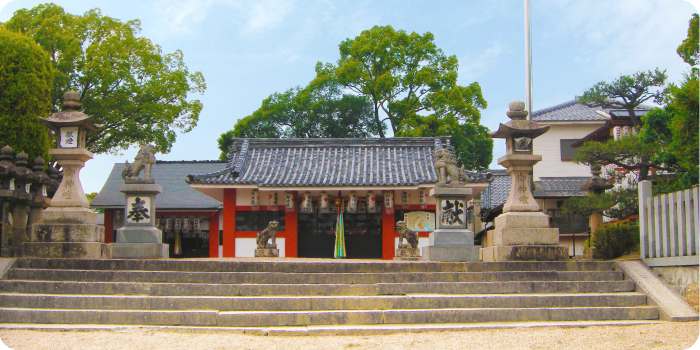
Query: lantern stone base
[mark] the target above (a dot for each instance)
(69, 250)
(139, 250)
(409, 254)
(139, 234)
(525, 253)
(451, 245)
(522, 236)
(267, 253)
(66, 233)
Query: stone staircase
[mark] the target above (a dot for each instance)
(297, 293)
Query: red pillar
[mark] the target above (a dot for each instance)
(388, 236)
(290, 231)
(214, 236)
(109, 225)
(229, 239)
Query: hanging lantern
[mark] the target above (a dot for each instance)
(186, 224)
(272, 200)
(371, 202)
(404, 199)
(254, 199)
(178, 221)
(626, 131)
(352, 202)
(195, 223)
(323, 202)
(306, 206)
(389, 202)
(423, 198)
(168, 223)
(617, 133)
(289, 201)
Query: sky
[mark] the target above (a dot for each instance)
(249, 49)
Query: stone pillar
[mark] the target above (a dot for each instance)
(23, 198)
(68, 229)
(451, 241)
(7, 196)
(139, 238)
(522, 232)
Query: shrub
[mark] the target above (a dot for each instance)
(614, 241)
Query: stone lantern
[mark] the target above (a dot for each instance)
(595, 185)
(522, 232)
(68, 228)
(7, 196)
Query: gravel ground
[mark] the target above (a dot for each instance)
(680, 335)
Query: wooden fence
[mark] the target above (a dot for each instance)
(668, 226)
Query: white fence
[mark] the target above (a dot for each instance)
(668, 226)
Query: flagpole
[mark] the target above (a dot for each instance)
(528, 62)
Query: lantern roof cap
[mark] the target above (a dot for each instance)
(70, 115)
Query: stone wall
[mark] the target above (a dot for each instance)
(683, 280)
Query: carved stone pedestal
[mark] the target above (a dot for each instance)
(139, 238)
(267, 253)
(68, 229)
(451, 241)
(409, 254)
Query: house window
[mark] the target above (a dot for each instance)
(567, 152)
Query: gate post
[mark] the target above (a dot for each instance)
(645, 191)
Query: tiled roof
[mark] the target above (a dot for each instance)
(575, 111)
(497, 191)
(171, 175)
(548, 187)
(568, 111)
(332, 163)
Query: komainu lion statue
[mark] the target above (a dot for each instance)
(404, 233)
(268, 233)
(446, 165)
(143, 161)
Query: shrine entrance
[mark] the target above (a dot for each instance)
(363, 232)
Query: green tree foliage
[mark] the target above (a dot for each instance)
(25, 85)
(689, 50)
(472, 143)
(614, 241)
(125, 81)
(618, 204)
(383, 77)
(320, 110)
(404, 75)
(627, 92)
(633, 153)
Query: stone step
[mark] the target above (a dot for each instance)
(325, 266)
(306, 318)
(307, 278)
(129, 288)
(316, 303)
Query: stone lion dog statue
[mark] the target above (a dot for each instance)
(406, 234)
(144, 161)
(446, 165)
(268, 233)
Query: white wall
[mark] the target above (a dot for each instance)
(548, 147)
(245, 247)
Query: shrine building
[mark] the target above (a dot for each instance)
(297, 182)
(215, 209)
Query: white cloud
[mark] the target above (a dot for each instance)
(178, 17)
(480, 64)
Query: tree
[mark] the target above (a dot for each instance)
(320, 110)
(25, 85)
(472, 143)
(633, 153)
(627, 92)
(125, 81)
(403, 75)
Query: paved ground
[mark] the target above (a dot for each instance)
(662, 335)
